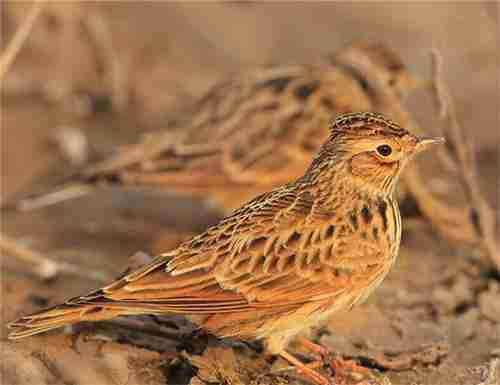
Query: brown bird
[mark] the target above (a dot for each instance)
(254, 132)
(284, 261)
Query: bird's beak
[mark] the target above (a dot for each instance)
(425, 143)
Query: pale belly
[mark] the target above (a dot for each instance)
(279, 332)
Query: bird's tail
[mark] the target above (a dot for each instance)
(88, 308)
(97, 305)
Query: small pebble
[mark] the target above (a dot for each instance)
(73, 143)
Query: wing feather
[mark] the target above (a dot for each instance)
(274, 252)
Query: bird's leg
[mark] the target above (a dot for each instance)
(305, 369)
(314, 348)
(339, 365)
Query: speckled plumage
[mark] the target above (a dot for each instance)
(284, 261)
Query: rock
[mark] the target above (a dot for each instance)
(464, 326)
(489, 303)
(450, 298)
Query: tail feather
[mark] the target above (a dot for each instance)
(94, 306)
(60, 316)
(148, 290)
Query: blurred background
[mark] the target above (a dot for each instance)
(111, 71)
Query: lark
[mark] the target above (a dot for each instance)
(283, 262)
(253, 132)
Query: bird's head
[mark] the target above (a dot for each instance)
(370, 148)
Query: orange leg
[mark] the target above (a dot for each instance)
(306, 370)
(339, 365)
(315, 348)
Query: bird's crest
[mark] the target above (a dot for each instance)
(368, 122)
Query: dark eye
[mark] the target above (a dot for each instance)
(384, 150)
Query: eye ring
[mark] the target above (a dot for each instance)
(384, 150)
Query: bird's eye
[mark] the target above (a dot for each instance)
(384, 150)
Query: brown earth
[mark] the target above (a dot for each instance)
(434, 321)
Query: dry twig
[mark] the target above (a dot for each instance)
(42, 266)
(15, 45)
(115, 71)
(479, 216)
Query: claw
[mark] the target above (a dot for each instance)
(339, 365)
(306, 370)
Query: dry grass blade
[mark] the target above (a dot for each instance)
(480, 215)
(62, 194)
(42, 266)
(115, 71)
(15, 45)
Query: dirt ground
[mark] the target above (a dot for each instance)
(434, 321)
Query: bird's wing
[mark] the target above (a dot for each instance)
(278, 250)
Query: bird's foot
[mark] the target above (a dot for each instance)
(343, 369)
(307, 370)
(320, 351)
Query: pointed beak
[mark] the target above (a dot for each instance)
(425, 143)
